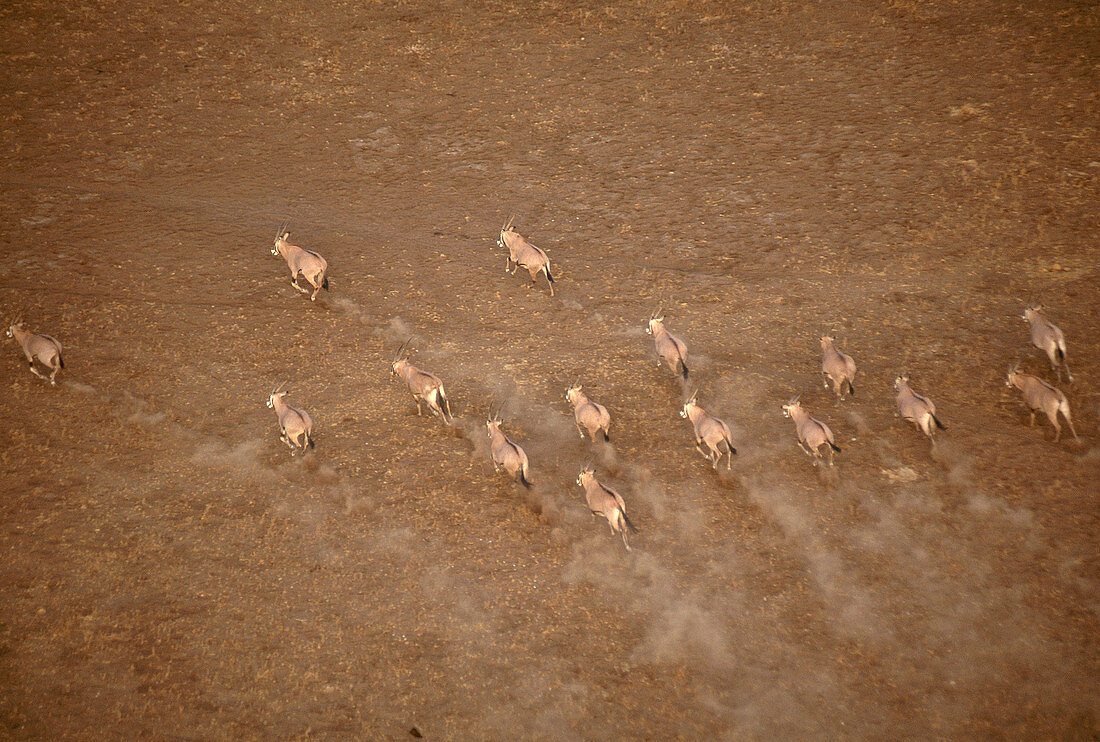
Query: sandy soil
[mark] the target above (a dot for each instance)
(905, 175)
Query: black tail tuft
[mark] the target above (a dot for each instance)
(851, 389)
(834, 446)
(61, 361)
(684, 370)
(939, 425)
(445, 406)
(606, 437)
(325, 284)
(629, 525)
(1059, 354)
(309, 440)
(733, 451)
(546, 272)
(523, 479)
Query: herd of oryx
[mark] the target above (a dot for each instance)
(712, 436)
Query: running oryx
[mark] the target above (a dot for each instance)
(295, 425)
(917, 409)
(709, 431)
(522, 254)
(837, 366)
(670, 348)
(1039, 395)
(812, 433)
(423, 386)
(506, 454)
(602, 500)
(38, 347)
(587, 414)
(1046, 336)
(299, 260)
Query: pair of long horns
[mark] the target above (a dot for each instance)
(508, 224)
(400, 351)
(658, 314)
(282, 228)
(796, 399)
(279, 388)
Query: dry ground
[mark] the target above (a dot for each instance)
(905, 175)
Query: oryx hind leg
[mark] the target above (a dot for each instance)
(286, 439)
(36, 372)
(298, 288)
(1069, 422)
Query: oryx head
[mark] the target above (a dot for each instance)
(12, 327)
(573, 390)
(1013, 372)
(276, 394)
(691, 402)
(586, 475)
(1030, 312)
(793, 404)
(400, 360)
(492, 425)
(655, 321)
(506, 231)
(281, 236)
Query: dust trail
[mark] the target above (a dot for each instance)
(859, 422)
(682, 623)
(852, 610)
(354, 311)
(539, 705)
(394, 331)
(241, 460)
(607, 458)
(77, 386)
(140, 411)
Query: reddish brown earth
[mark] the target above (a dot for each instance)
(905, 175)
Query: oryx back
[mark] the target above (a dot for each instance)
(524, 254)
(307, 263)
(917, 409)
(1046, 336)
(607, 503)
(295, 425)
(424, 387)
(508, 455)
(589, 415)
(1039, 395)
(812, 433)
(40, 347)
(711, 432)
(837, 366)
(670, 348)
